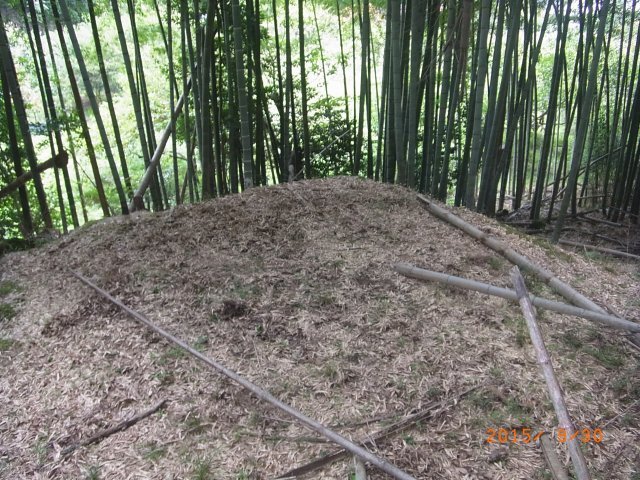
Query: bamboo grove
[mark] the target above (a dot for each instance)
(451, 98)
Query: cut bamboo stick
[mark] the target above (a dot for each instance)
(373, 439)
(360, 472)
(555, 390)
(611, 251)
(603, 222)
(521, 261)
(115, 429)
(428, 275)
(549, 452)
(259, 392)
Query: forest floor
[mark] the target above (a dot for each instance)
(292, 286)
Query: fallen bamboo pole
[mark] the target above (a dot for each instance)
(373, 439)
(115, 429)
(467, 284)
(137, 202)
(555, 390)
(611, 251)
(259, 392)
(521, 261)
(558, 472)
(59, 161)
(360, 472)
(601, 221)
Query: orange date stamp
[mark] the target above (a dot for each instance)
(524, 435)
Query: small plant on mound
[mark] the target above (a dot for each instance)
(608, 355)
(626, 384)
(93, 473)
(153, 451)
(496, 263)
(5, 344)
(8, 287)
(202, 471)
(571, 339)
(519, 327)
(7, 312)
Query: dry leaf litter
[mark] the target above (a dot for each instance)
(292, 286)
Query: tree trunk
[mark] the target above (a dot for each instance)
(581, 130)
(242, 96)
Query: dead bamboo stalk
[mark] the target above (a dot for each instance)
(599, 220)
(136, 202)
(360, 472)
(611, 251)
(467, 284)
(521, 261)
(373, 439)
(259, 392)
(555, 390)
(59, 161)
(549, 452)
(115, 429)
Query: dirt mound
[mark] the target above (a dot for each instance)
(292, 287)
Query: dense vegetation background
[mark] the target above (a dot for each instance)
(153, 103)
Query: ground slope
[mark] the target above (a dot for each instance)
(292, 287)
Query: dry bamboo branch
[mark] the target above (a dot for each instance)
(549, 452)
(520, 260)
(611, 251)
(60, 160)
(259, 392)
(599, 220)
(115, 429)
(555, 391)
(371, 440)
(606, 319)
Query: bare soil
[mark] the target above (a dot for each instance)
(292, 286)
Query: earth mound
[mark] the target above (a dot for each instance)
(292, 287)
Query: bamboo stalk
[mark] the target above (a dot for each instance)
(611, 251)
(59, 161)
(360, 472)
(136, 202)
(259, 392)
(373, 439)
(115, 429)
(520, 260)
(555, 390)
(603, 222)
(555, 465)
(467, 284)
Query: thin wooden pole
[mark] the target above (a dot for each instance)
(428, 275)
(555, 390)
(259, 392)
